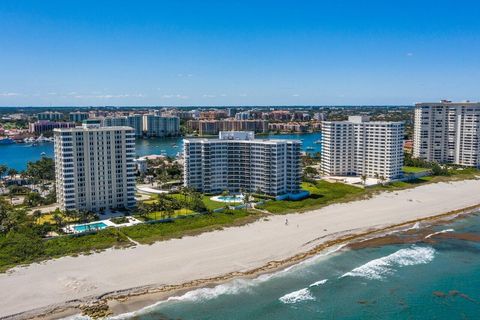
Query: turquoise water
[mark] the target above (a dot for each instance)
(17, 155)
(90, 226)
(432, 277)
(230, 198)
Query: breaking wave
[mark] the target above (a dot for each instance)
(297, 296)
(379, 268)
(439, 232)
(302, 294)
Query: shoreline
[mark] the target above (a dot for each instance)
(135, 301)
(135, 298)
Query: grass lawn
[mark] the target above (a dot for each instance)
(160, 215)
(149, 233)
(48, 218)
(414, 169)
(321, 193)
(210, 204)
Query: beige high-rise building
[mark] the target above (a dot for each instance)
(448, 132)
(159, 126)
(362, 147)
(94, 167)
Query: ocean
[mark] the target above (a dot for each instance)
(17, 155)
(420, 273)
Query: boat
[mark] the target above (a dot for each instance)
(318, 142)
(6, 140)
(310, 148)
(43, 139)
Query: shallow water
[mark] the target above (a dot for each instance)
(438, 277)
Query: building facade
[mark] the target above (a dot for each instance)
(237, 162)
(211, 127)
(360, 147)
(158, 126)
(135, 121)
(78, 116)
(50, 115)
(447, 132)
(94, 167)
(43, 126)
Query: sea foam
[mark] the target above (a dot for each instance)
(377, 269)
(233, 287)
(297, 296)
(439, 232)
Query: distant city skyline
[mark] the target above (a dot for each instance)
(214, 53)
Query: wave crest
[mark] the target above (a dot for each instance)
(378, 268)
(296, 296)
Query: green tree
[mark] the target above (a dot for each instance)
(310, 172)
(363, 177)
(3, 170)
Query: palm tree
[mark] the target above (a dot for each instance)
(12, 172)
(58, 220)
(3, 170)
(382, 180)
(36, 215)
(246, 200)
(364, 179)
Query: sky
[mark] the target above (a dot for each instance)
(227, 53)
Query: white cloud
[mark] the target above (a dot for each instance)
(209, 96)
(110, 96)
(52, 93)
(409, 54)
(295, 95)
(177, 96)
(243, 95)
(9, 94)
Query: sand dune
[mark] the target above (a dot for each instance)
(216, 253)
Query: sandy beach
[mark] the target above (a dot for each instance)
(213, 254)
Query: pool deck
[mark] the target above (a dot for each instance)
(70, 229)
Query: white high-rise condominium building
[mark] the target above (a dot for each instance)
(362, 147)
(448, 132)
(135, 121)
(237, 162)
(159, 126)
(94, 167)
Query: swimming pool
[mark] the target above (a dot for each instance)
(228, 199)
(90, 226)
